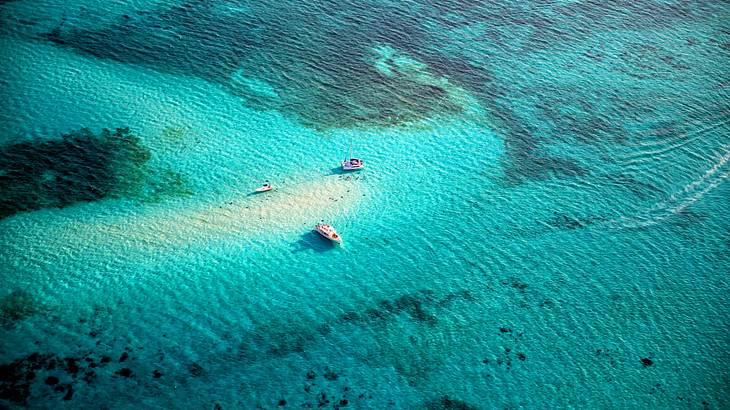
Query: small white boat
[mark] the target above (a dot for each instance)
(352, 164)
(265, 187)
(328, 232)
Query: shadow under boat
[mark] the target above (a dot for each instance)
(337, 171)
(312, 241)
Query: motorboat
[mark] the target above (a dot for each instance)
(265, 187)
(328, 232)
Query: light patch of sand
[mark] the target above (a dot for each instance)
(287, 209)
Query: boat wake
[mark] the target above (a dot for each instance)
(652, 150)
(680, 200)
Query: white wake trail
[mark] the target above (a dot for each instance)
(680, 200)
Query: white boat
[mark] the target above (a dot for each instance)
(265, 187)
(352, 164)
(328, 232)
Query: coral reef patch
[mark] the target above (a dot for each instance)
(18, 305)
(447, 403)
(81, 166)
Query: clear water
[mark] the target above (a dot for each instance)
(545, 204)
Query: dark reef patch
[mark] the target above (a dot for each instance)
(48, 372)
(283, 343)
(632, 184)
(329, 391)
(416, 306)
(16, 378)
(329, 374)
(569, 222)
(578, 118)
(125, 372)
(447, 403)
(18, 305)
(464, 295)
(504, 359)
(14, 384)
(644, 61)
(606, 353)
(89, 376)
(646, 362)
(196, 370)
(71, 366)
(318, 76)
(525, 159)
(305, 68)
(657, 388)
(79, 167)
(516, 284)
(338, 76)
(281, 339)
(69, 392)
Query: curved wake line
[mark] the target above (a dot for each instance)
(710, 172)
(679, 201)
(678, 142)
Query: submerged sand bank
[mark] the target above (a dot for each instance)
(244, 215)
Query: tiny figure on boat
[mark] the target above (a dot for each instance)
(265, 187)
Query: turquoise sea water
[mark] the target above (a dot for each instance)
(542, 222)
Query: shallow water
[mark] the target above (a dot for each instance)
(542, 222)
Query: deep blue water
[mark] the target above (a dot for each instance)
(542, 221)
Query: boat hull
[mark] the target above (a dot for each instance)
(349, 166)
(328, 232)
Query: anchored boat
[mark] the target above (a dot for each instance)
(352, 164)
(265, 187)
(328, 232)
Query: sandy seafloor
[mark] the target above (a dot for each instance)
(542, 222)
